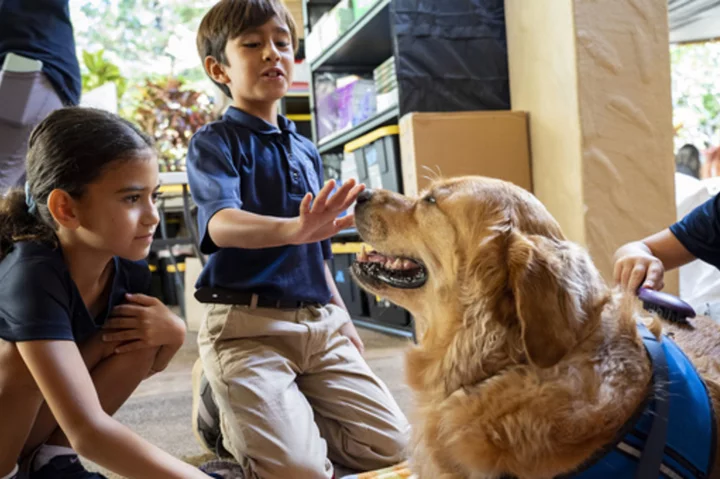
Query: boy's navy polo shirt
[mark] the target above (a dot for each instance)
(699, 231)
(39, 299)
(244, 162)
(41, 30)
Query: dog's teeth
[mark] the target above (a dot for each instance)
(407, 264)
(362, 256)
(397, 264)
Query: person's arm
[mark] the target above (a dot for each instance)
(215, 185)
(645, 262)
(145, 322)
(65, 383)
(695, 236)
(668, 249)
(348, 328)
(234, 228)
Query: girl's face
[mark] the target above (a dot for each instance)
(117, 213)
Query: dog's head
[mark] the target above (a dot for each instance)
(479, 256)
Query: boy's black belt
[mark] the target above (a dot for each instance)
(227, 296)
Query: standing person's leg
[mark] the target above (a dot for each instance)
(26, 99)
(358, 417)
(251, 358)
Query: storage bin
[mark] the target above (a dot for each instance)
(384, 312)
(377, 156)
(355, 299)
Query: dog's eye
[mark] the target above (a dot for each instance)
(429, 199)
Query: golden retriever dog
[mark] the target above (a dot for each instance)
(527, 363)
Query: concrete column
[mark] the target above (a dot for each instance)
(594, 76)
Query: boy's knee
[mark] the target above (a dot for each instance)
(383, 448)
(397, 443)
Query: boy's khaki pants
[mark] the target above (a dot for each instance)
(293, 392)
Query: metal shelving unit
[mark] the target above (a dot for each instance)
(340, 139)
(366, 44)
(363, 47)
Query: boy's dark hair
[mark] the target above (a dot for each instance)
(68, 150)
(687, 161)
(228, 19)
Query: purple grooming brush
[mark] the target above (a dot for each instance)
(666, 305)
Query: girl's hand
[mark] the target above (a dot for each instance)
(144, 322)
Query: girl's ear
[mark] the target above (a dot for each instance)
(63, 209)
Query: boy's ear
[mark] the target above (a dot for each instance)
(216, 70)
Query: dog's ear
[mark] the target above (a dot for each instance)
(555, 287)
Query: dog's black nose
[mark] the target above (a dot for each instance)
(365, 196)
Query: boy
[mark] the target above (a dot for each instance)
(277, 346)
(696, 236)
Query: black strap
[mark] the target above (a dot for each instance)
(230, 297)
(654, 450)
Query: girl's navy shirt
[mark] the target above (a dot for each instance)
(39, 300)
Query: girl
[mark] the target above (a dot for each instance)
(70, 273)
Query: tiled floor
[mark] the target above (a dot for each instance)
(160, 408)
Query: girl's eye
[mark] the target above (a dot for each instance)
(251, 44)
(156, 196)
(132, 199)
(282, 44)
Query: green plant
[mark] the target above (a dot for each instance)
(101, 71)
(171, 113)
(696, 94)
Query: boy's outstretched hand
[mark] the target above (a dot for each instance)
(319, 221)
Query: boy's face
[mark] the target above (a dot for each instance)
(261, 62)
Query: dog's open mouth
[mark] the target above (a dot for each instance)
(394, 271)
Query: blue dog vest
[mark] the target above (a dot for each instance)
(674, 435)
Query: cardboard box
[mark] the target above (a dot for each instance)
(486, 143)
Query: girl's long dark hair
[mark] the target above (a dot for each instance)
(68, 150)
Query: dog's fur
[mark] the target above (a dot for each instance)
(527, 362)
